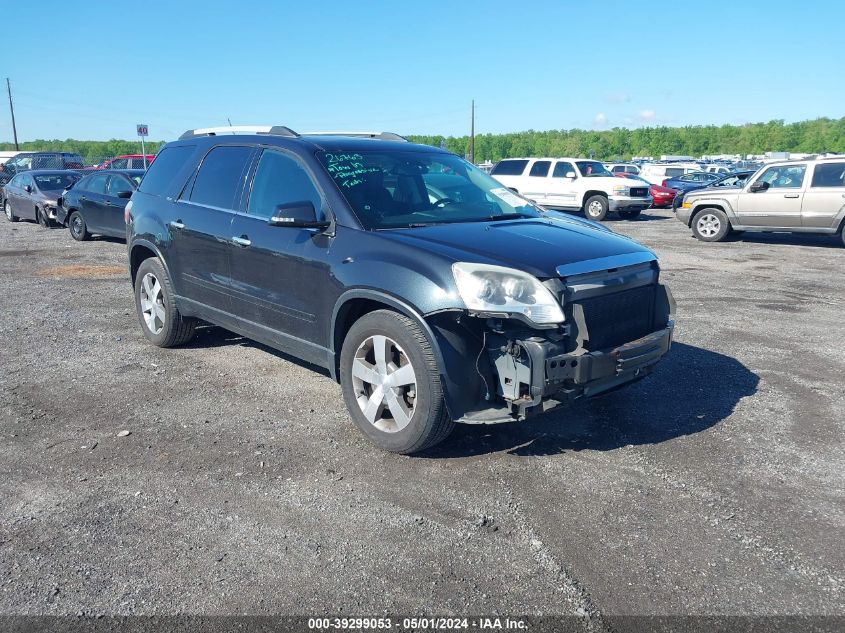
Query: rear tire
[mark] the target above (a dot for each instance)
(711, 225)
(10, 216)
(409, 414)
(595, 208)
(155, 302)
(842, 233)
(77, 227)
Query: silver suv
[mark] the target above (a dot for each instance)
(805, 196)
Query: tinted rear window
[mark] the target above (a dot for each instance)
(829, 175)
(671, 172)
(509, 168)
(221, 176)
(540, 168)
(167, 165)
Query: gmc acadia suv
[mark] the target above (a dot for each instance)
(431, 292)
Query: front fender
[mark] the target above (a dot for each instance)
(448, 348)
(135, 247)
(721, 203)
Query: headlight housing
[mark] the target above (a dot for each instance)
(497, 290)
(621, 190)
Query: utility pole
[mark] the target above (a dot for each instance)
(472, 135)
(12, 110)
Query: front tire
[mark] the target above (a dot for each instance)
(711, 225)
(77, 227)
(391, 383)
(155, 302)
(42, 218)
(596, 208)
(10, 216)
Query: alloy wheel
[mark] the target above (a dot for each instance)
(76, 225)
(385, 383)
(708, 225)
(594, 209)
(152, 303)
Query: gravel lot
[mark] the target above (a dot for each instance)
(713, 487)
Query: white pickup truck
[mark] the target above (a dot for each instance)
(573, 184)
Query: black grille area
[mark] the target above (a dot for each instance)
(639, 192)
(618, 318)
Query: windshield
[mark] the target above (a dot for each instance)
(592, 168)
(405, 189)
(55, 182)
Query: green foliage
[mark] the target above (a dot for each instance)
(819, 135)
(92, 152)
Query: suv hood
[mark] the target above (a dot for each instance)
(536, 245)
(606, 182)
(703, 192)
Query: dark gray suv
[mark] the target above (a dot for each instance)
(433, 293)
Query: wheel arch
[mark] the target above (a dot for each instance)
(703, 207)
(593, 192)
(140, 251)
(355, 303)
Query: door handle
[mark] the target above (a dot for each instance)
(790, 195)
(243, 240)
(82, 198)
(109, 204)
(177, 225)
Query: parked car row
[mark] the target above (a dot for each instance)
(84, 202)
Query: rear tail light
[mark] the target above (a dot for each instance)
(127, 212)
(664, 183)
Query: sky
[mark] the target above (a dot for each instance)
(92, 71)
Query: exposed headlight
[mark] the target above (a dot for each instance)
(621, 190)
(497, 289)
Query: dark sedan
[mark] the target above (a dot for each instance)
(695, 179)
(735, 179)
(96, 203)
(33, 195)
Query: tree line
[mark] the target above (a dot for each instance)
(818, 135)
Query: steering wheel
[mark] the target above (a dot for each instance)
(442, 202)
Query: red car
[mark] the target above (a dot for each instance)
(127, 161)
(662, 196)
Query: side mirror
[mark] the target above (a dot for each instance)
(758, 186)
(124, 194)
(299, 215)
(27, 188)
(570, 174)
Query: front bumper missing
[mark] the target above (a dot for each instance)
(533, 378)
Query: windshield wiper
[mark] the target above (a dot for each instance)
(508, 216)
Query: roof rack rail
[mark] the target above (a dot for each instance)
(385, 136)
(275, 130)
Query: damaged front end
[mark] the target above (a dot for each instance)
(617, 322)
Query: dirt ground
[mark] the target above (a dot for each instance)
(713, 487)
